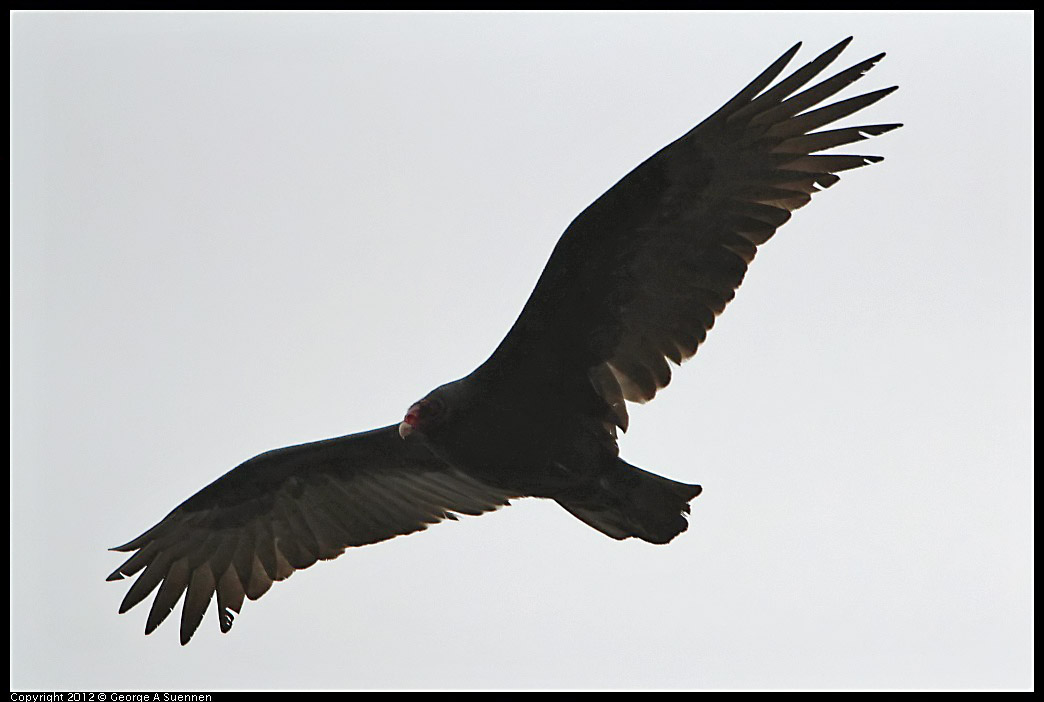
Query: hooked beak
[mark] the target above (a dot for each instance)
(409, 422)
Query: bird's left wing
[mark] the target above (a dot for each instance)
(639, 276)
(286, 509)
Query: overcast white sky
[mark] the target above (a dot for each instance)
(234, 232)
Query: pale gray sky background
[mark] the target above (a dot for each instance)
(234, 232)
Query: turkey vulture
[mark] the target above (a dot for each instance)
(635, 281)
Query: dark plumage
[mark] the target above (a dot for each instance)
(635, 282)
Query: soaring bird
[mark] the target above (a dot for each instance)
(633, 285)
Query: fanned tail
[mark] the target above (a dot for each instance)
(630, 501)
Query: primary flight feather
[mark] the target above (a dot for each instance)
(634, 283)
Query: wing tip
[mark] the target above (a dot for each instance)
(225, 621)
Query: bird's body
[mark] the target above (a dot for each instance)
(533, 447)
(634, 283)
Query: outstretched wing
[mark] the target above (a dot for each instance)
(286, 509)
(639, 276)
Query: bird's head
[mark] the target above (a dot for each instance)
(421, 416)
(433, 410)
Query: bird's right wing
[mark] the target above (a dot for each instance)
(286, 509)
